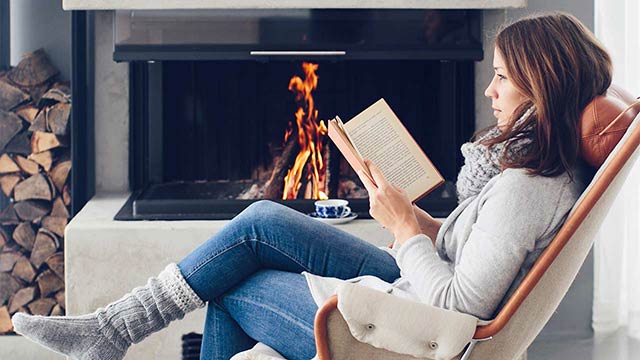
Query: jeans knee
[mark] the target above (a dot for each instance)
(263, 210)
(261, 205)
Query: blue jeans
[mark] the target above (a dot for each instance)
(249, 273)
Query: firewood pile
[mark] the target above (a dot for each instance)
(34, 179)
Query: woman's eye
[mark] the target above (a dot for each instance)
(502, 77)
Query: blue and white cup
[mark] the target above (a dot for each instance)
(335, 208)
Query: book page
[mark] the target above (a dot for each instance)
(378, 135)
(345, 145)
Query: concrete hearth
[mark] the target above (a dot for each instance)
(105, 259)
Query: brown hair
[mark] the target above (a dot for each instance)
(559, 66)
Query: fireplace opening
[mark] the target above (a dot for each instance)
(209, 136)
(222, 134)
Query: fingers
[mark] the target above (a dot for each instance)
(370, 186)
(377, 175)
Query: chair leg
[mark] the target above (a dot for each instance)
(467, 352)
(523, 356)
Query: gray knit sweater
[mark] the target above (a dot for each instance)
(484, 248)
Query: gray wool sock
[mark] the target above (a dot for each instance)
(107, 333)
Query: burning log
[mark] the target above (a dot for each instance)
(273, 188)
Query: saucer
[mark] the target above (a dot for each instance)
(334, 221)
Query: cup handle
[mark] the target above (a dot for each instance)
(346, 212)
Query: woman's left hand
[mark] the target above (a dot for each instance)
(390, 205)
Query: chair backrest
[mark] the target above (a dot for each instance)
(530, 307)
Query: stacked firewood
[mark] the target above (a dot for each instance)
(34, 180)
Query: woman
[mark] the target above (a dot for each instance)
(263, 275)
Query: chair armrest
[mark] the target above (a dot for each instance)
(396, 324)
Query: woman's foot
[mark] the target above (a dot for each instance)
(107, 333)
(76, 336)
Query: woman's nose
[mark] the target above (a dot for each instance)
(489, 91)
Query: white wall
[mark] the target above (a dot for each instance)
(41, 24)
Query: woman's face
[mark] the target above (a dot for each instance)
(505, 98)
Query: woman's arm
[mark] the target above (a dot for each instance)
(428, 224)
(512, 217)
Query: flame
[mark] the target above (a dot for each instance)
(310, 136)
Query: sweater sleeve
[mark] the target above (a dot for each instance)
(511, 217)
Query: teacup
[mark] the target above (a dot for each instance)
(334, 208)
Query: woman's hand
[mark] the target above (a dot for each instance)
(390, 205)
(428, 224)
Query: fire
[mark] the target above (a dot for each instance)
(310, 136)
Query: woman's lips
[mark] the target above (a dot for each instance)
(496, 112)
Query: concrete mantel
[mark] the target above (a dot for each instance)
(288, 4)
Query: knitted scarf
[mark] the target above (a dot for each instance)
(481, 163)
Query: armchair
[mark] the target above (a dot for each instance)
(356, 322)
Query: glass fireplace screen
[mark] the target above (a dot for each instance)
(210, 137)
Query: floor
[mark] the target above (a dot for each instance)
(615, 346)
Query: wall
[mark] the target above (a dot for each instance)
(41, 24)
(573, 317)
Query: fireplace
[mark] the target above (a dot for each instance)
(222, 119)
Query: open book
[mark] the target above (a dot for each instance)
(378, 135)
